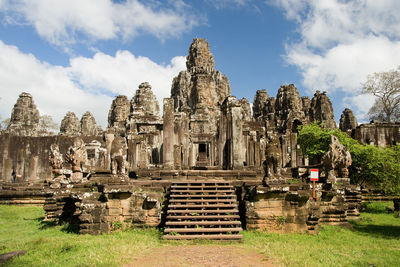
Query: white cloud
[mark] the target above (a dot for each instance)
(84, 85)
(341, 42)
(231, 3)
(61, 22)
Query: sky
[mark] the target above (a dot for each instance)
(77, 55)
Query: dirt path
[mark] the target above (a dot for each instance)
(200, 255)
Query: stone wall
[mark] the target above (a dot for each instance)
(379, 134)
(26, 159)
(105, 204)
(290, 207)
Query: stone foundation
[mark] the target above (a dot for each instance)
(290, 207)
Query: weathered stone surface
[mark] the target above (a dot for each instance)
(76, 156)
(273, 156)
(70, 125)
(348, 121)
(118, 156)
(321, 110)
(260, 103)
(24, 117)
(56, 159)
(246, 110)
(337, 160)
(88, 125)
(288, 108)
(144, 102)
(379, 134)
(201, 87)
(119, 112)
(306, 106)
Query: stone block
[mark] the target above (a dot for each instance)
(114, 212)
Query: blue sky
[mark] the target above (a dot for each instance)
(77, 55)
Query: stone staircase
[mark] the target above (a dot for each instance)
(202, 210)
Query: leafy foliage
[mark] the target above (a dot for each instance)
(314, 139)
(374, 166)
(377, 166)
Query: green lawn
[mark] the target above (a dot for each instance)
(373, 241)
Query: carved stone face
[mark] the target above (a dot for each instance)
(25, 101)
(18, 114)
(119, 113)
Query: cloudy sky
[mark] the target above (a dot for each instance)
(77, 55)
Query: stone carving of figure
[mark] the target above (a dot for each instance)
(56, 159)
(118, 156)
(273, 160)
(337, 160)
(76, 155)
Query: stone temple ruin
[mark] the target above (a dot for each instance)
(207, 168)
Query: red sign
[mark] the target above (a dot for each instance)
(314, 175)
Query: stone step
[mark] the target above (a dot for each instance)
(209, 237)
(203, 230)
(201, 217)
(203, 211)
(211, 205)
(200, 186)
(202, 196)
(194, 223)
(203, 206)
(201, 191)
(202, 201)
(202, 181)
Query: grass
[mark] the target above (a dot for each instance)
(47, 245)
(372, 241)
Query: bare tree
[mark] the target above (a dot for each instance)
(385, 86)
(46, 123)
(4, 123)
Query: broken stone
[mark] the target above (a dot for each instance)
(337, 160)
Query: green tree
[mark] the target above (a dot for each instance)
(314, 139)
(372, 166)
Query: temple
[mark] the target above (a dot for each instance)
(145, 166)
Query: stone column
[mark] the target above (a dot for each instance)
(168, 138)
(237, 137)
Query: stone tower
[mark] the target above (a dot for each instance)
(70, 125)
(24, 117)
(200, 89)
(348, 121)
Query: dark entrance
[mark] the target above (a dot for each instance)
(202, 157)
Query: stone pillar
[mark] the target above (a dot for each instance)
(168, 138)
(182, 138)
(237, 137)
(293, 146)
(222, 139)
